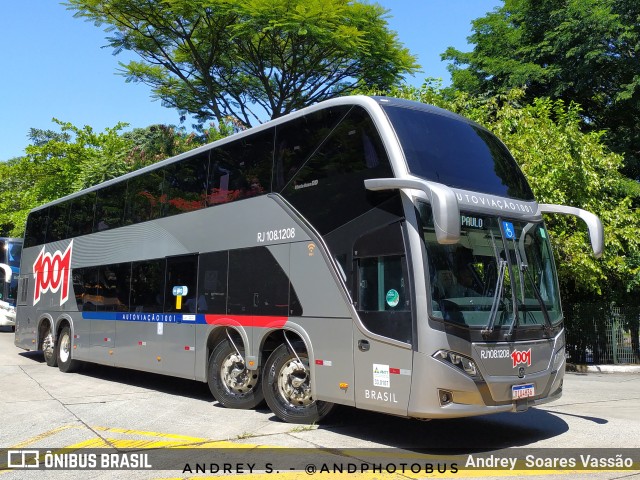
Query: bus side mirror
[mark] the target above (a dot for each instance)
(446, 213)
(596, 230)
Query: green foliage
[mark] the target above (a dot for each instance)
(567, 166)
(57, 164)
(157, 142)
(219, 59)
(582, 51)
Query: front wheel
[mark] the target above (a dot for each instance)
(230, 382)
(63, 352)
(287, 387)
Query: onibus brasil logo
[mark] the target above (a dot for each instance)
(52, 273)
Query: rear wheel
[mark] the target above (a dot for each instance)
(287, 386)
(63, 351)
(49, 349)
(229, 379)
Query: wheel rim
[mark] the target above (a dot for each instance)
(293, 384)
(65, 348)
(47, 346)
(236, 378)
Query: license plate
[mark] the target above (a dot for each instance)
(523, 391)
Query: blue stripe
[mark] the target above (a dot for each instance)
(145, 317)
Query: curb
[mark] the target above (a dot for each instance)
(603, 368)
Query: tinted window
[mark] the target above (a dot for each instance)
(58, 222)
(298, 140)
(102, 289)
(113, 288)
(144, 197)
(457, 153)
(212, 282)
(181, 272)
(185, 185)
(241, 169)
(81, 215)
(257, 283)
(36, 229)
(328, 188)
(110, 206)
(147, 286)
(86, 283)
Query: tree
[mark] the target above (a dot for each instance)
(57, 164)
(568, 166)
(216, 59)
(582, 51)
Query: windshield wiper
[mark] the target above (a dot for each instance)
(543, 307)
(514, 300)
(521, 268)
(502, 266)
(536, 291)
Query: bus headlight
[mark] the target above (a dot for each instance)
(459, 361)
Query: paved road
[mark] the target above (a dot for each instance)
(108, 407)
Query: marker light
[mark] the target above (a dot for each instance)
(459, 361)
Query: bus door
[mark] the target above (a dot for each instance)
(383, 348)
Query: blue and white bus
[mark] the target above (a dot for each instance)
(10, 253)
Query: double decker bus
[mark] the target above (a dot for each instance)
(365, 251)
(10, 253)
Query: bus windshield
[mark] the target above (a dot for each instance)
(445, 148)
(500, 275)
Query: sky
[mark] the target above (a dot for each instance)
(58, 66)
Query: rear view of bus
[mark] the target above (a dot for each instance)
(370, 252)
(10, 253)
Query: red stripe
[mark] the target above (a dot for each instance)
(246, 321)
(319, 362)
(394, 371)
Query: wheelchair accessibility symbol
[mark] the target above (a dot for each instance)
(509, 231)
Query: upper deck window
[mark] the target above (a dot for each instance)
(449, 149)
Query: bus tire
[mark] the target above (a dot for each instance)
(230, 382)
(287, 387)
(49, 349)
(64, 347)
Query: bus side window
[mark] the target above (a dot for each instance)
(114, 282)
(259, 286)
(212, 283)
(181, 272)
(110, 207)
(36, 229)
(147, 286)
(144, 197)
(185, 185)
(81, 213)
(58, 221)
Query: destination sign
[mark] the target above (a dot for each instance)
(472, 222)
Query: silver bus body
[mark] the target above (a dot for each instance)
(308, 286)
